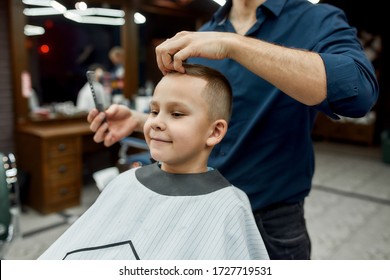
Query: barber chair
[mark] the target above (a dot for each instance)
(10, 207)
(139, 157)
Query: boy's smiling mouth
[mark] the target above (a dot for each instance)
(160, 140)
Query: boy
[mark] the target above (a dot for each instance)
(176, 208)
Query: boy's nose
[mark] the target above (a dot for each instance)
(158, 123)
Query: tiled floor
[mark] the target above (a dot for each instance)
(347, 212)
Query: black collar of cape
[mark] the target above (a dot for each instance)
(192, 184)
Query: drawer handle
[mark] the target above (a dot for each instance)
(64, 191)
(62, 169)
(62, 147)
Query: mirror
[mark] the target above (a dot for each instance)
(59, 70)
(59, 58)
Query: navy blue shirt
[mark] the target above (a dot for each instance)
(268, 151)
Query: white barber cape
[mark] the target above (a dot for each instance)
(146, 213)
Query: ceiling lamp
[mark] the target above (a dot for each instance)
(82, 14)
(44, 3)
(99, 12)
(32, 30)
(51, 8)
(139, 18)
(41, 12)
(102, 20)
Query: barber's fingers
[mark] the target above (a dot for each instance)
(96, 120)
(164, 56)
(100, 132)
(170, 55)
(180, 57)
(103, 134)
(109, 139)
(92, 114)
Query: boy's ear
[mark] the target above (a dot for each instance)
(219, 129)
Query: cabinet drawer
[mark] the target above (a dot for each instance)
(63, 170)
(63, 193)
(61, 147)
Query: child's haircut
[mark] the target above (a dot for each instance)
(217, 93)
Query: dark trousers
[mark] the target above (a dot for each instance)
(284, 231)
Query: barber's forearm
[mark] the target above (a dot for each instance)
(298, 73)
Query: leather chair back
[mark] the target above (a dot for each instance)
(5, 214)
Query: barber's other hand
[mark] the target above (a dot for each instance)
(115, 123)
(173, 52)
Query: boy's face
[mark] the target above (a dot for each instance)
(178, 125)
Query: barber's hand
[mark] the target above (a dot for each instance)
(174, 51)
(115, 123)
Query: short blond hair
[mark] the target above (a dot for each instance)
(217, 93)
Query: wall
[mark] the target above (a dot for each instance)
(6, 101)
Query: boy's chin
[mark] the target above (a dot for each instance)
(156, 157)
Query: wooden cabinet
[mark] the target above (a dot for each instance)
(52, 156)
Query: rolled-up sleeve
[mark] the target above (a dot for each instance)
(352, 89)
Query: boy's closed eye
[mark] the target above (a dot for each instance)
(177, 114)
(153, 112)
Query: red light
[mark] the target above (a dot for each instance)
(44, 49)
